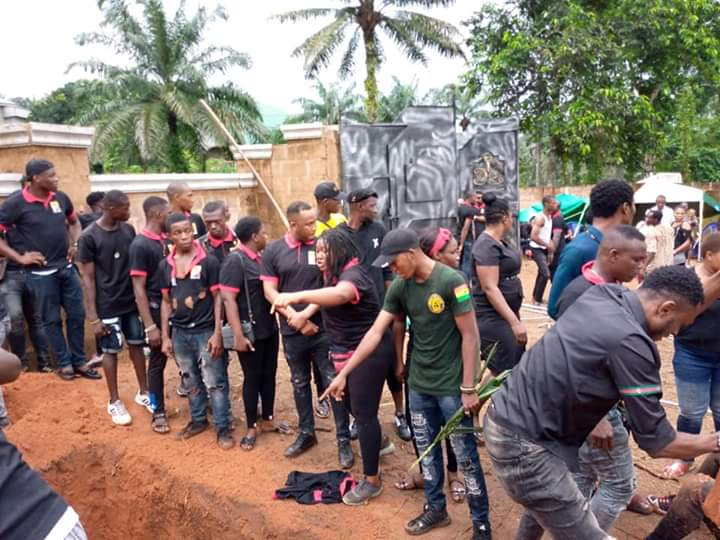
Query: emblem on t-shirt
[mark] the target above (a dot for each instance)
(375, 242)
(195, 272)
(194, 228)
(55, 207)
(311, 257)
(436, 304)
(462, 293)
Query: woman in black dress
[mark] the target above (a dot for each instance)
(498, 292)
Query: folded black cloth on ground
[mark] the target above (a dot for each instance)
(313, 488)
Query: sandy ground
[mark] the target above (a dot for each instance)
(129, 482)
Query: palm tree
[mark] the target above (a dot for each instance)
(155, 102)
(400, 97)
(410, 30)
(467, 103)
(332, 103)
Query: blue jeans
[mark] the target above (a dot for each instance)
(466, 263)
(301, 353)
(203, 375)
(613, 470)
(62, 289)
(428, 414)
(541, 482)
(697, 378)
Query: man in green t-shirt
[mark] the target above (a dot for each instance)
(437, 301)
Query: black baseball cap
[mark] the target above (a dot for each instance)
(360, 195)
(396, 242)
(327, 190)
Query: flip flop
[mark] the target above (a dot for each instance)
(248, 443)
(88, 373)
(640, 505)
(160, 424)
(66, 375)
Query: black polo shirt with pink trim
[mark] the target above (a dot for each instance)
(33, 224)
(191, 295)
(245, 262)
(220, 248)
(147, 250)
(348, 323)
(292, 266)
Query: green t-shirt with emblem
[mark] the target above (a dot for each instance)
(431, 306)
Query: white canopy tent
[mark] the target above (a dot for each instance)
(674, 192)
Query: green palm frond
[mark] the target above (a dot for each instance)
(405, 39)
(422, 3)
(429, 32)
(319, 48)
(303, 14)
(347, 64)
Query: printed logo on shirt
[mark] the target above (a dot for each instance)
(311, 257)
(462, 293)
(195, 272)
(194, 231)
(436, 304)
(376, 242)
(117, 255)
(55, 207)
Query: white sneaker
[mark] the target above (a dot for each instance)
(144, 401)
(119, 413)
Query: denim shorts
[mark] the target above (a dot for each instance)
(128, 327)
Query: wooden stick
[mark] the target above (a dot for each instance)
(236, 146)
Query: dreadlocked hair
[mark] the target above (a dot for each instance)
(340, 250)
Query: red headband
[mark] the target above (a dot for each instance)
(441, 240)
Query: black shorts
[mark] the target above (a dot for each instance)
(127, 327)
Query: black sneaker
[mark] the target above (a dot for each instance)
(481, 531)
(345, 455)
(401, 427)
(429, 519)
(362, 493)
(303, 442)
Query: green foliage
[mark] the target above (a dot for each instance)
(332, 103)
(368, 20)
(67, 104)
(394, 102)
(153, 109)
(598, 83)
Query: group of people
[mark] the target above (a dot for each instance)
(669, 234)
(359, 308)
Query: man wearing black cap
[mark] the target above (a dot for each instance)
(368, 234)
(38, 220)
(329, 207)
(437, 300)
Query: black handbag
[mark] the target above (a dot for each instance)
(228, 336)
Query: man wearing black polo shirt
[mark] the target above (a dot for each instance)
(220, 239)
(147, 250)
(470, 224)
(567, 383)
(104, 260)
(289, 265)
(192, 305)
(246, 307)
(368, 234)
(181, 200)
(40, 218)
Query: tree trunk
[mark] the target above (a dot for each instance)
(372, 62)
(176, 161)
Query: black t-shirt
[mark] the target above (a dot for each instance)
(703, 333)
(348, 323)
(32, 224)
(245, 262)
(489, 252)
(466, 211)
(110, 252)
(367, 240)
(292, 266)
(88, 219)
(198, 224)
(30, 508)
(681, 235)
(571, 293)
(220, 248)
(597, 353)
(147, 250)
(558, 225)
(191, 295)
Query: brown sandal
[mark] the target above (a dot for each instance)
(159, 423)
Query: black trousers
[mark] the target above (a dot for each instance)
(496, 332)
(156, 369)
(543, 274)
(259, 369)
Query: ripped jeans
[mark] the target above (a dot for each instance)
(203, 375)
(541, 482)
(428, 414)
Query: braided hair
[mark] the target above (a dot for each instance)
(341, 249)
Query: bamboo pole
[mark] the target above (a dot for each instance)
(236, 147)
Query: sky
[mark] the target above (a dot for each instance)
(37, 44)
